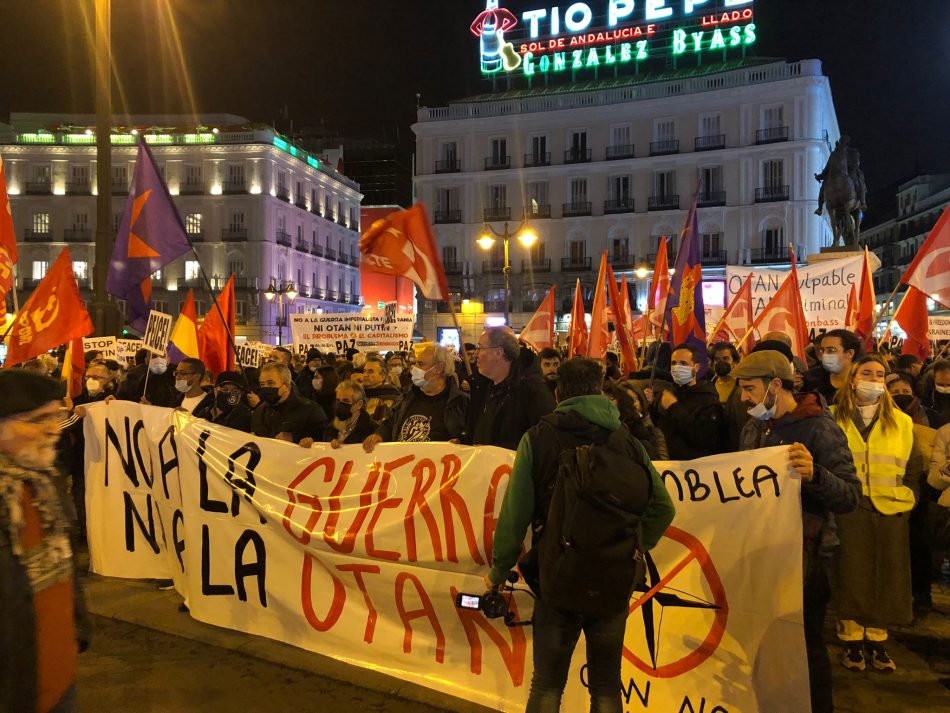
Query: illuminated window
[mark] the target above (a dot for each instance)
(237, 220)
(192, 270)
(39, 269)
(157, 276)
(41, 222)
(193, 224)
(236, 267)
(537, 195)
(81, 269)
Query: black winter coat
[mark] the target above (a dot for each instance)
(456, 413)
(694, 426)
(499, 414)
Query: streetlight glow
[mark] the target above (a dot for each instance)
(528, 237)
(641, 272)
(486, 242)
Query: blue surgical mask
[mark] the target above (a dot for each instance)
(760, 411)
(682, 375)
(831, 363)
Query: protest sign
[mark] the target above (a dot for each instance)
(938, 327)
(825, 287)
(361, 556)
(126, 348)
(252, 353)
(339, 332)
(106, 346)
(157, 332)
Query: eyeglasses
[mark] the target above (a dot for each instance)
(480, 347)
(829, 350)
(186, 373)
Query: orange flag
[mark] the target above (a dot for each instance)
(403, 244)
(912, 318)
(659, 288)
(736, 321)
(864, 306)
(851, 313)
(622, 328)
(214, 344)
(930, 270)
(74, 367)
(599, 334)
(784, 313)
(8, 250)
(538, 333)
(53, 315)
(577, 346)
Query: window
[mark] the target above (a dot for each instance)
(120, 176)
(237, 220)
(578, 141)
(773, 173)
(664, 184)
(235, 174)
(539, 150)
(620, 248)
(447, 199)
(449, 152)
(282, 223)
(578, 190)
(577, 249)
(281, 272)
(299, 192)
(299, 233)
(79, 175)
(193, 224)
(192, 270)
(39, 269)
(160, 306)
(773, 117)
(236, 267)
(710, 178)
(240, 310)
(81, 269)
(499, 151)
(712, 244)
(536, 251)
(41, 173)
(664, 130)
(710, 125)
(537, 195)
(620, 188)
(773, 241)
(299, 277)
(192, 175)
(313, 198)
(620, 136)
(41, 222)
(498, 197)
(449, 255)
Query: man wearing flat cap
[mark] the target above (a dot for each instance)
(41, 607)
(230, 407)
(820, 456)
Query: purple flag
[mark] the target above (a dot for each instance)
(150, 236)
(685, 310)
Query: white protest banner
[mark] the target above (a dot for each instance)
(825, 287)
(126, 348)
(361, 556)
(252, 353)
(157, 332)
(938, 327)
(352, 330)
(106, 346)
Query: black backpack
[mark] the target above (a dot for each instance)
(590, 556)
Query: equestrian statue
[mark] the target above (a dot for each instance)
(844, 192)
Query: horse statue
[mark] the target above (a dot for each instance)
(843, 193)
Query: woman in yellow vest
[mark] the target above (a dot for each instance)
(872, 573)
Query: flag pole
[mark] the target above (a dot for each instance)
(455, 320)
(890, 324)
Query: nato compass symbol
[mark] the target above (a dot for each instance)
(656, 595)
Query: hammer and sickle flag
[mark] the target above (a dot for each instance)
(402, 244)
(53, 315)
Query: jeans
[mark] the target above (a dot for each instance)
(555, 636)
(814, 605)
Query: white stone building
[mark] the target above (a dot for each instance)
(612, 165)
(253, 204)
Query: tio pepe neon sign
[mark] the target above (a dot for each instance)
(557, 40)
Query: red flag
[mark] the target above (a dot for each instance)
(628, 347)
(53, 315)
(784, 313)
(74, 367)
(912, 318)
(577, 346)
(214, 345)
(659, 287)
(8, 250)
(403, 244)
(851, 313)
(866, 300)
(736, 321)
(599, 334)
(538, 333)
(930, 270)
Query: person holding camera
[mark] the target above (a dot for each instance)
(582, 572)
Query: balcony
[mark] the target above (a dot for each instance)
(496, 214)
(575, 264)
(78, 188)
(341, 220)
(776, 253)
(333, 295)
(344, 259)
(196, 236)
(538, 211)
(119, 188)
(542, 264)
(186, 283)
(77, 235)
(713, 257)
(664, 148)
(316, 210)
(448, 216)
(771, 194)
(233, 235)
(532, 160)
(670, 257)
(623, 261)
(318, 293)
(283, 194)
(670, 201)
(240, 283)
(316, 250)
(709, 199)
(302, 246)
(619, 205)
(578, 155)
(775, 135)
(710, 143)
(497, 163)
(615, 153)
(37, 236)
(283, 238)
(301, 201)
(330, 254)
(448, 166)
(495, 306)
(38, 188)
(570, 210)
(191, 188)
(234, 187)
(454, 268)
(355, 299)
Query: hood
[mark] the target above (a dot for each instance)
(808, 405)
(595, 410)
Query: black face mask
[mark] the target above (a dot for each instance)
(903, 401)
(270, 395)
(722, 368)
(226, 400)
(343, 411)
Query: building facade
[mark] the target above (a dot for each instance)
(253, 205)
(612, 165)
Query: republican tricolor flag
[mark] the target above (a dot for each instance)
(183, 341)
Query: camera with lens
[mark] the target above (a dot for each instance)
(493, 603)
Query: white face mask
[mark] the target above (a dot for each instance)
(942, 389)
(419, 377)
(831, 363)
(93, 386)
(182, 386)
(869, 390)
(158, 366)
(682, 375)
(760, 411)
(317, 384)
(396, 371)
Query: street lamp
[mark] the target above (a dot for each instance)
(285, 289)
(526, 236)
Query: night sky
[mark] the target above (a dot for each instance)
(357, 65)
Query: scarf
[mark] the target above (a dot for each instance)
(50, 561)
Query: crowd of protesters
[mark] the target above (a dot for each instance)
(869, 437)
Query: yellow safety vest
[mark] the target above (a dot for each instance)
(881, 463)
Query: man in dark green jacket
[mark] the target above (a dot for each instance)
(583, 416)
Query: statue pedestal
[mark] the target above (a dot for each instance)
(834, 253)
